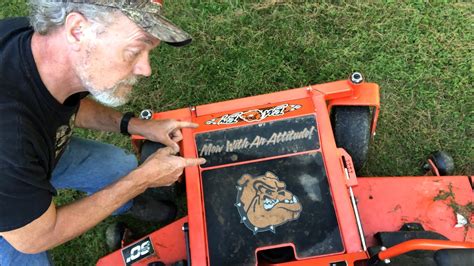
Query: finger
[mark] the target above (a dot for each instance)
(177, 138)
(166, 151)
(193, 161)
(176, 132)
(176, 135)
(183, 124)
(172, 144)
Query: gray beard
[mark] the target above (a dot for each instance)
(108, 99)
(113, 96)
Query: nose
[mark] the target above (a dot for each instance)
(142, 67)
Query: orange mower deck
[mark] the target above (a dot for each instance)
(275, 180)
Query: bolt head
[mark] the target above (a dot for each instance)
(356, 78)
(146, 114)
(387, 261)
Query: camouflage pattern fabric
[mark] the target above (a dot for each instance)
(148, 14)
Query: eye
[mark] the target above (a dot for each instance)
(264, 190)
(132, 54)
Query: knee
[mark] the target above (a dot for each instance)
(125, 162)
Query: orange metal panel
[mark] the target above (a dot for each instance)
(251, 102)
(346, 158)
(336, 178)
(386, 203)
(194, 197)
(204, 125)
(333, 90)
(197, 229)
(168, 243)
(365, 94)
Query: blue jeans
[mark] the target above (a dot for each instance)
(87, 166)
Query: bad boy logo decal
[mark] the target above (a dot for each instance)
(137, 251)
(264, 203)
(253, 115)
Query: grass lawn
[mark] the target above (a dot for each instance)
(420, 54)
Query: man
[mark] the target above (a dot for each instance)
(75, 48)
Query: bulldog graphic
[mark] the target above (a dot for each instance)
(252, 115)
(264, 202)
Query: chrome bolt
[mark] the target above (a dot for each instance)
(146, 114)
(356, 78)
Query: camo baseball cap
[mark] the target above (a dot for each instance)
(148, 15)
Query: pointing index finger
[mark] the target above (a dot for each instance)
(193, 161)
(167, 151)
(186, 124)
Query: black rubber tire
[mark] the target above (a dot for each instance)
(148, 148)
(169, 193)
(114, 235)
(351, 126)
(443, 161)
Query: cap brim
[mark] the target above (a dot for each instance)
(179, 44)
(160, 27)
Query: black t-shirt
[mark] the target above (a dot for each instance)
(34, 129)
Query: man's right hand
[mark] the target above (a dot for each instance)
(163, 168)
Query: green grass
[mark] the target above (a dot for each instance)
(419, 53)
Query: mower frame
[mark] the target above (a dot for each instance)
(363, 206)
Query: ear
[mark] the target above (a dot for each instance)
(75, 26)
(244, 179)
(271, 175)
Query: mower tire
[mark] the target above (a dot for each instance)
(148, 148)
(115, 234)
(169, 193)
(351, 126)
(443, 161)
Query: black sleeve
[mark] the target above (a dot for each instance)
(21, 201)
(27, 130)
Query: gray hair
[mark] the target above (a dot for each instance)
(48, 15)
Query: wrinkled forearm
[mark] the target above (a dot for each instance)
(60, 225)
(93, 115)
(76, 218)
